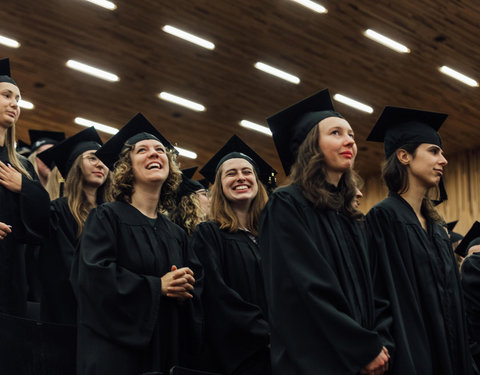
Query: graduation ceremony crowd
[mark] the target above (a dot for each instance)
(115, 261)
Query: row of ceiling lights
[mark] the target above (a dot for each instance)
(371, 34)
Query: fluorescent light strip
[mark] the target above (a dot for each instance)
(186, 153)
(459, 76)
(104, 4)
(312, 5)
(277, 72)
(259, 128)
(181, 101)
(101, 127)
(387, 42)
(92, 71)
(353, 103)
(9, 42)
(25, 104)
(188, 37)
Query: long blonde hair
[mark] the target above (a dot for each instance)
(13, 157)
(188, 213)
(222, 212)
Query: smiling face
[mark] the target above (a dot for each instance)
(239, 184)
(149, 162)
(426, 166)
(93, 170)
(337, 143)
(9, 109)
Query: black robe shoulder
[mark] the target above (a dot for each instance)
(125, 325)
(418, 274)
(318, 287)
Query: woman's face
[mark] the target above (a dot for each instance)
(94, 171)
(43, 170)
(426, 167)
(9, 109)
(203, 200)
(337, 144)
(149, 162)
(239, 183)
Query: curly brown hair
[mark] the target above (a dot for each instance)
(188, 213)
(124, 180)
(309, 173)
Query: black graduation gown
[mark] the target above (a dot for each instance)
(319, 289)
(27, 213)
(233, 298)
(125, 325)
(471, 291)
(418, 274)
(58, 303)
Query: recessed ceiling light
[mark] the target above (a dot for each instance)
(188, 37)
(353, 103)
(387, 42)
(181, 101)
(92, 71)
(277, 72)
(186, 153)
(256, 127)
(25, 104)
(461, 77)
(312, 5)
(104, 4)
(9, 42)
(97, 125)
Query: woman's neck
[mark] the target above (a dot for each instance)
(3, 134)
(145, 199)
(242, 211)
(91, 194)
(414, 196)
(333, 177)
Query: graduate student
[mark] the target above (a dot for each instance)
(85, 176)
(314, 254)
(23, 203)
(417, 271)
(237, 330)
(192, 203)
(134, 276)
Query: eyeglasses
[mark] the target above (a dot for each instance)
(93, 160)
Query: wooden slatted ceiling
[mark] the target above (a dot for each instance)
(323, 50)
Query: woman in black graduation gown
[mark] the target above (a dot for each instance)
(417, 271)
(319, 290)
(23, 203)
(85, 176)
(237, 331)
(135, 279)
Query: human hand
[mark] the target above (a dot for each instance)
(10, 178)
(4, 230)
(178, 283)
(379, 365)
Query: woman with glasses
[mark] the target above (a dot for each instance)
(85, 177)
(192, 203)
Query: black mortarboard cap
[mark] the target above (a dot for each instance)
(23, 148)
(471, 238)
(5, 72)
(290, 126)
(137, 129)
(64, 154)
(236, 148)
(397, 127)
(188, 186)
(38, 138)
(443, 193)
(454, 236)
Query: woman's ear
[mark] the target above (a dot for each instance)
(403, 156)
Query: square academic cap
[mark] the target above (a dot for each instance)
(236, 148)
(23, 148)
(454, 236)
(39, 138)
(188, 186)
(137, 129)
(5, 72)
(290, 126)
(443, 193)
(399, 126)
(471, 238)
(63, 155)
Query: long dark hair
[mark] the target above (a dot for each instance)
(395, 175)
(309, 173)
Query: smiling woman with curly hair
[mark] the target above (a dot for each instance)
(134, 275)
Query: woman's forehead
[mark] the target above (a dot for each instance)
(236, 163)
(10, 87)
(148, 142)
(331, 122)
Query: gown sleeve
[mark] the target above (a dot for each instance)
(309, 314)
(471, 290)
(115, 302)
